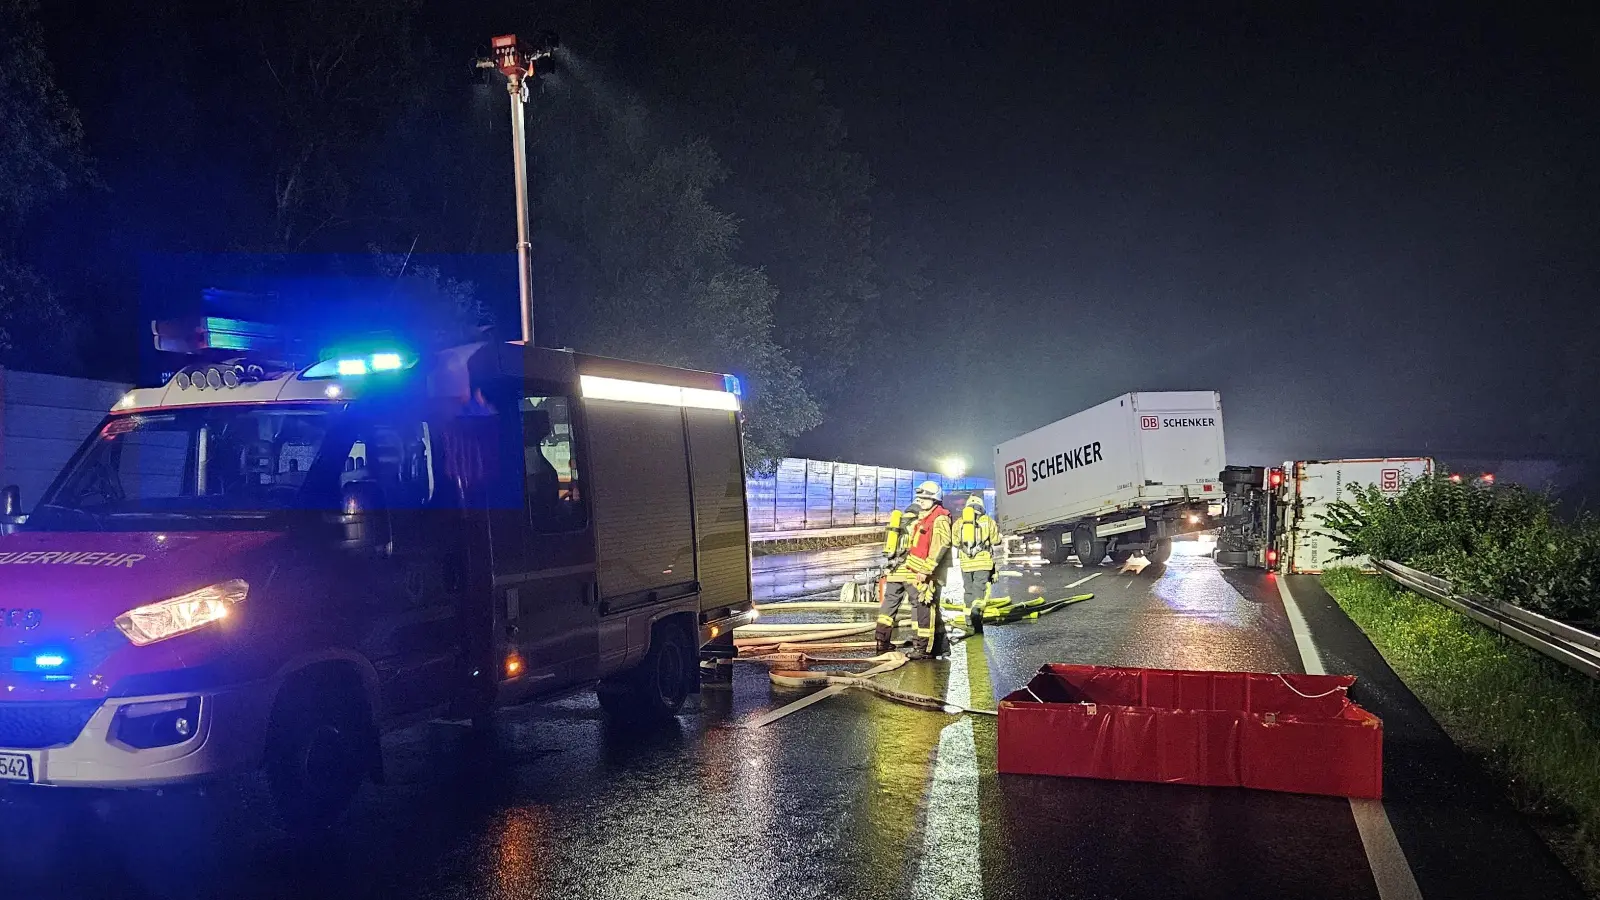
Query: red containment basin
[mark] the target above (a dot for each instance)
(1296, 733)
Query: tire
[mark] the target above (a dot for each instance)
(655, 689)
(1234, 557)
(1089, 550)
(1160, 553)
(320, 743)
(1119, 557)
(1051, 548)
(1253, 476)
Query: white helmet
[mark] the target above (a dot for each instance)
(930, 490)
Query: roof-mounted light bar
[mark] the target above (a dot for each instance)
(596, 387)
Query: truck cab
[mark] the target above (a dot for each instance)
(259, 565)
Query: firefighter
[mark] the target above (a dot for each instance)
(897, 578)
(976, 535)
(927, 559)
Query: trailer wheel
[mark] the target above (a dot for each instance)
(1234, 557)
(1160, 552)
(319, 747)
(657, 687)
(1051, 548)
(1090, 551)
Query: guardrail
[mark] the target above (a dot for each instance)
(1572, 647)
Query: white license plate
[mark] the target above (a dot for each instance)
(16, 767)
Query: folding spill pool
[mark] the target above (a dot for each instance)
(1296, 733)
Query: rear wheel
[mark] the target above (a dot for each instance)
(1160, 552)
(319, 747)
(655, 689)
(1090, 550)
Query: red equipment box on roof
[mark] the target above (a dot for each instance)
(1295, 733)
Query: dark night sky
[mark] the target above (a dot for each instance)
(1372, 228)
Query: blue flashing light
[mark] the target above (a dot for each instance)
(730, 383)
(49, 661)
(350, 365)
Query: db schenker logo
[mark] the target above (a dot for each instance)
(1150, 423)
(1016, 476)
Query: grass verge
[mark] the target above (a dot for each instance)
(1534, 723)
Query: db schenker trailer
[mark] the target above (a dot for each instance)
(1122, 477)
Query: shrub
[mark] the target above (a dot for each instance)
(1503, 542)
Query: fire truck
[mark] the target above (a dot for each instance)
(265, 565)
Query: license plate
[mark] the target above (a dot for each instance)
(16, 767)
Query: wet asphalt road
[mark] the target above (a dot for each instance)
(852, 797)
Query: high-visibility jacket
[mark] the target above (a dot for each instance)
(897, 542)
(930, 543)
(976, 536)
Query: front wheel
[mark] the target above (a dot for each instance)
(655, 689)
(318, 750)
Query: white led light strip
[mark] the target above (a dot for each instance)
(597, 388)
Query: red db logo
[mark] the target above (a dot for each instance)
(1016, 476)
(1389, 480)
(1150, 423)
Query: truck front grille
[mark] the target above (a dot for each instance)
(34, 726)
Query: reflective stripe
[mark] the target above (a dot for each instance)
(886, 621)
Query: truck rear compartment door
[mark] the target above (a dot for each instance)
(643, 517)
(1180, 439)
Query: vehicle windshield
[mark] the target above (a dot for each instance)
(197, 464)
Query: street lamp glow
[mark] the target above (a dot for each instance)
(953, 467)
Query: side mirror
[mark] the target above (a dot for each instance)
(11, 514)
(364, 517)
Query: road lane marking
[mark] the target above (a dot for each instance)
(950, 864)
(1087, 578)
(1390, 871)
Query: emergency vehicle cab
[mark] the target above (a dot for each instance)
(268, 565)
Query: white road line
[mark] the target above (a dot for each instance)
(1390, 871)
(949, 866)
(1087, 578)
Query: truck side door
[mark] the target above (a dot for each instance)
(414, 636)
(544, 564)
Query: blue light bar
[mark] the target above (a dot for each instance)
(49, 661)
(730, 383)
(352, 367)
(386, 362)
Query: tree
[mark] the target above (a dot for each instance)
(41, 156)
(636, 261)
(331, 76)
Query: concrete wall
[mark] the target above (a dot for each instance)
(43, 420)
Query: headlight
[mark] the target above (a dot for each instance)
(159, 621)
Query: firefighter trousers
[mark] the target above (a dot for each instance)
(895, 593)
(931, 638)
(975, 588)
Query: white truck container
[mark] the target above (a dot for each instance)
(1310, 486)
(1121, 477)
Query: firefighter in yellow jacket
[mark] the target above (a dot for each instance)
(976, 537)
(929, 556)
(897, 578)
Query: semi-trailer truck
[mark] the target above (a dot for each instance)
(1122, 477)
